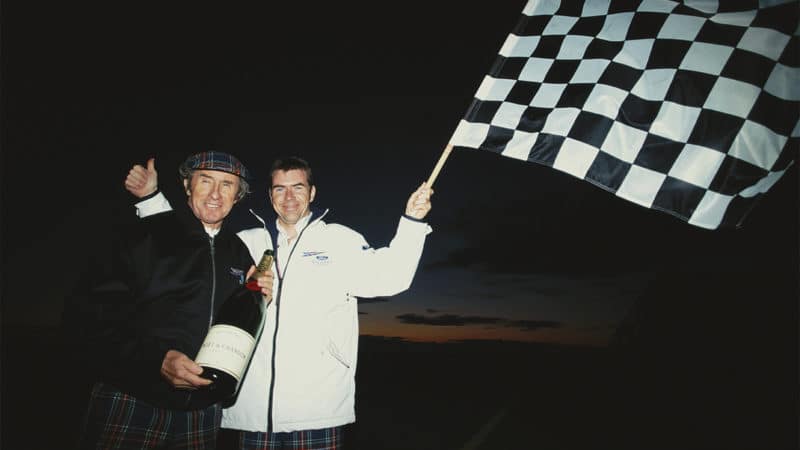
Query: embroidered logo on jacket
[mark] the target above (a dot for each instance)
(238, 274)
(317, 257)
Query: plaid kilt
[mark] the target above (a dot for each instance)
(116, 420)
(323, 439)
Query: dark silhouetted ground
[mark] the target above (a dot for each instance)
(659, 386)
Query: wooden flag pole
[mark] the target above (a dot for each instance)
(439, 165)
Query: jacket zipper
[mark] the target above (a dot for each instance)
(213, 294)
(281, 276)
(272, 362)
(213, 280)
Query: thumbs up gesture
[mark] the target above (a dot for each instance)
(141, 181)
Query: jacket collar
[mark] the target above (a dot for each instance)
(269, 222)
(193, 224)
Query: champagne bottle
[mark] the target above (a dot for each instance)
(230, 342)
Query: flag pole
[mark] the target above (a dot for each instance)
(439, 164)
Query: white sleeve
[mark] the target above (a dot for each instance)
(390, 270)
(153, 205)
(257, 240)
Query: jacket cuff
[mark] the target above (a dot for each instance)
(414, 219)
(150, 195)
(411, 223)
(152, 205)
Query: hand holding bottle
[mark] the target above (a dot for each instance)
(264, 280)
(181, 371)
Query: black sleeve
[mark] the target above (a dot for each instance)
(99, 318)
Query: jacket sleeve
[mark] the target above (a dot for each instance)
(388, 270)
(256, 240)
(100, 314)
(153, 205)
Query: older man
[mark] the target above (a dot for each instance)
(152, 305)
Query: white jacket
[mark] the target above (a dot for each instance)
(312, 323)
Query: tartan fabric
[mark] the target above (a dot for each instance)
(323, 439)
(217, 161)
(116, 420)
(691, 108)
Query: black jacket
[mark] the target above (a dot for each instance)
(165, 279)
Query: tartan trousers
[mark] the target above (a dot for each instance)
(116, 420)
(323, 439)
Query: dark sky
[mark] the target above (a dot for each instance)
(369, 93)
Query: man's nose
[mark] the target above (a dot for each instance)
(215, 192)
(289, 194)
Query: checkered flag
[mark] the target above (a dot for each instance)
(684, 107)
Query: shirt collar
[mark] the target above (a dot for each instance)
(298, 226)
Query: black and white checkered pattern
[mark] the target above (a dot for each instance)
(683, 107)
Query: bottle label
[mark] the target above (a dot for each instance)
(226, 348)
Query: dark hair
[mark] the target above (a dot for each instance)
(291, 163)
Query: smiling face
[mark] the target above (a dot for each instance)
(291, 196)
(212, 194)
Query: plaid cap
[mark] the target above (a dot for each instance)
(223, 162)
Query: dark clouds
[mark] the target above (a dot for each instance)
(366, 301)
(456, 320)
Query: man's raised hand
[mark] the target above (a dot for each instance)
(141, 181)
(419, 203)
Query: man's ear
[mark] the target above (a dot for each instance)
(186, 186)
(313, 193)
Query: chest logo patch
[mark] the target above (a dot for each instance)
(317, 258)
(238, 274)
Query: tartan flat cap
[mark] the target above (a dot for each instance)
(223, 162)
